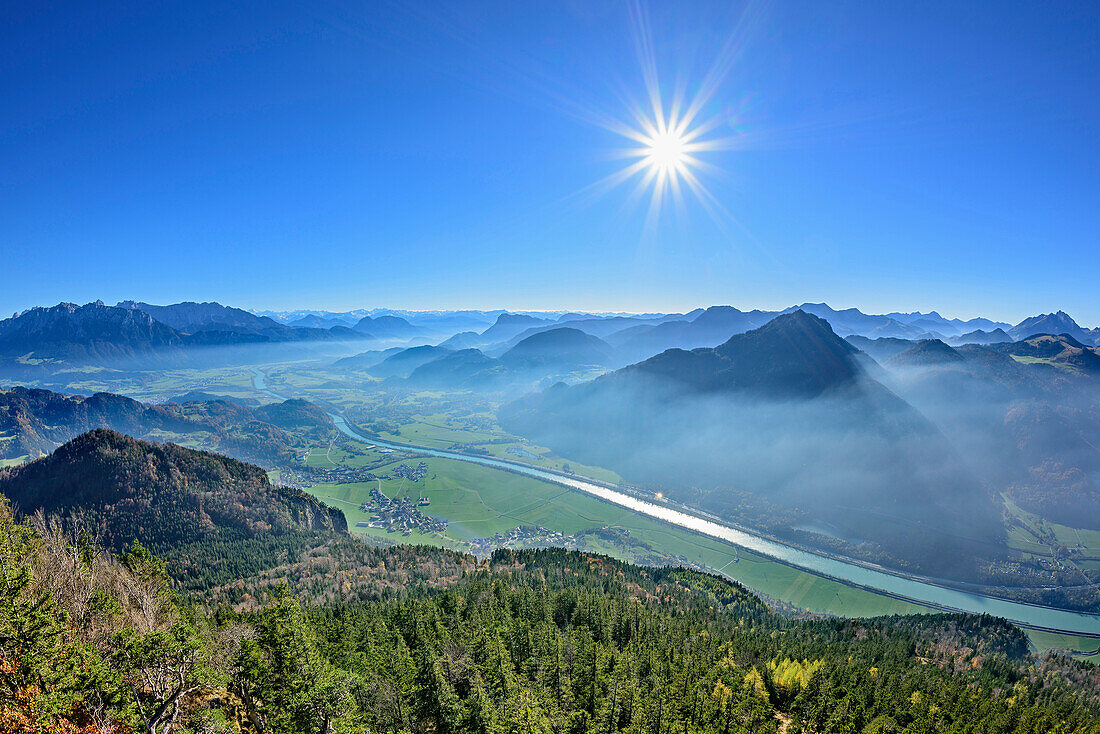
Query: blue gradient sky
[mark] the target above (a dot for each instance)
(894, 156)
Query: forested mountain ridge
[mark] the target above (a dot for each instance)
(181, 503)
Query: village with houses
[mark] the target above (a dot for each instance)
(399, 515)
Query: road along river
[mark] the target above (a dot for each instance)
(880, 580)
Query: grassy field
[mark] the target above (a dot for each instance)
(1052, 641)
(1084, 544)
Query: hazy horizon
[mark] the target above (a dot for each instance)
(559, 310)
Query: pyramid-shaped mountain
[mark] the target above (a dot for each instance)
(785, 414)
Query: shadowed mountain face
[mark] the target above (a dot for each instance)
(784, 414)
(175, 501)
(462, 369)
(160, 492)
(85, 333)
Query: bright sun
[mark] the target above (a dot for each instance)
(667, 152)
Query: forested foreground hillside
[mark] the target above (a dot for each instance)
(531, 641)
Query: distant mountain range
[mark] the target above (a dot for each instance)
(636, 338)
(552, 354)
(230, 323)
(136, 335)
(35, 422)
(980, 336)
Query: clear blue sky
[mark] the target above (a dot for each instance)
(895, 156)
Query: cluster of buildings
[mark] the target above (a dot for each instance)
(527, 536)
(304, 476)
(399, 515)
(404, 471)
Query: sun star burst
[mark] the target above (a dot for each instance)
(664, 160)
(669, 143)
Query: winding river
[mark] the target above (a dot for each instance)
(906, 587)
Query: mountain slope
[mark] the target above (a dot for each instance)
(404, 362)
(783, 415)
(561, 347)
(1061, 351)
(978, 336)
(532, 641)
(71, 333)
(1050, 323)
(1024, 415)
(168, 497)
